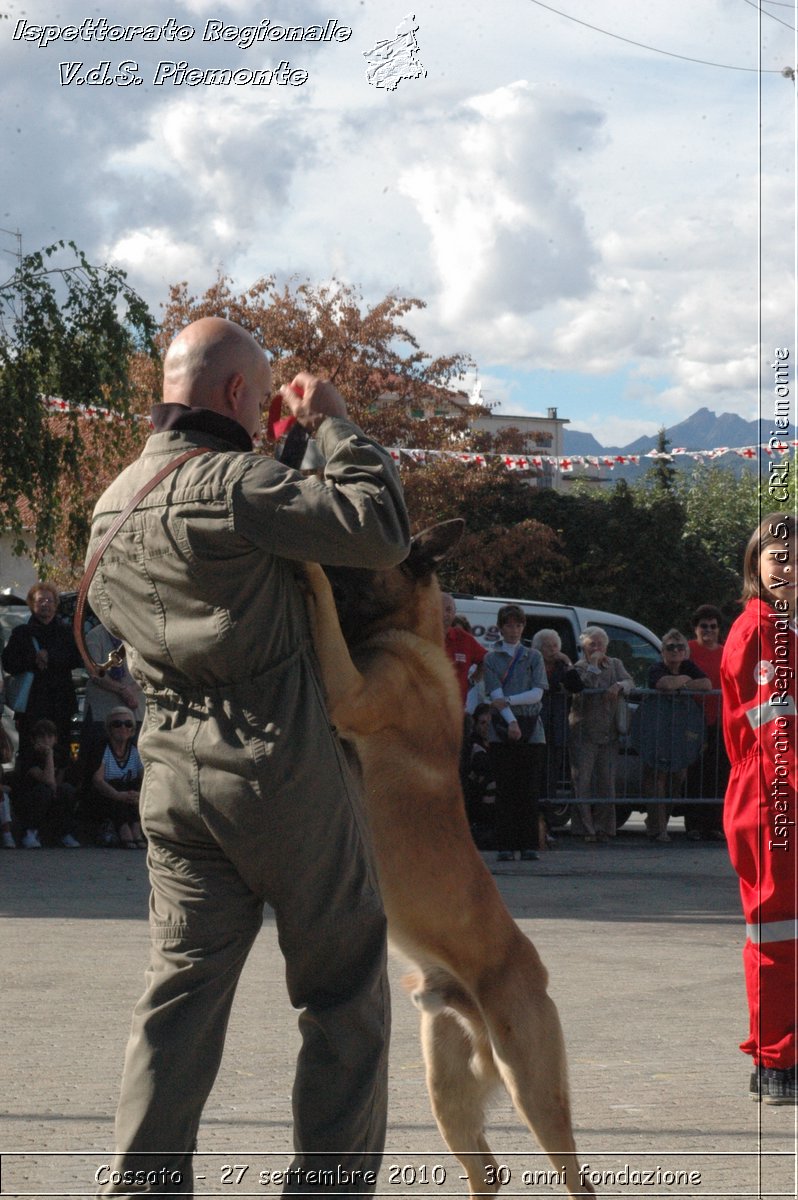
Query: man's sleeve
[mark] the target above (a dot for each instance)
(478, 651)
(354, 516)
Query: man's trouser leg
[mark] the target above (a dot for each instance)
(204, 920)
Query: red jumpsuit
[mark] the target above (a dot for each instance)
(760, 659)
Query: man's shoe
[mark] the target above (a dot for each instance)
(693, 835)
(662, 837)
(528, 856)
(8, 841)
(70, 842)
(505, 856)
(30, 840)
(781, 1086)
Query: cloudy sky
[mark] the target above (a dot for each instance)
(582, 215)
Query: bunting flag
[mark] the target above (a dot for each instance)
(565, 465)
(569, 464)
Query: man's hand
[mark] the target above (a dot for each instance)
(311, 400)
(514, 732)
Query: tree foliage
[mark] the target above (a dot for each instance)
(68, 330)
(369, 353)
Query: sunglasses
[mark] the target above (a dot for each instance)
(121, 724)
(672, 647)
(707, 625)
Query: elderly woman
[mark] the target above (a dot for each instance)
(44, 646)
(676, 673)
(117, 780)
(593, 735)
(562, 680)
(515, 680)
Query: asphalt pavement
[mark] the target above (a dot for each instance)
(642, 943)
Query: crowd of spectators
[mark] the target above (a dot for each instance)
(535, 723)
(68, 785)
(539, 725)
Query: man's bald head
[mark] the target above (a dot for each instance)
(214, 363)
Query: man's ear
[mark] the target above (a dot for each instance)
(234, 391)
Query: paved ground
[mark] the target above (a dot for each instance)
(643, 946)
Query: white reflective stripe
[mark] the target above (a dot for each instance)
(776, 931)
(763, 714)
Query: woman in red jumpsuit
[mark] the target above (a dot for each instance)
(758, 677)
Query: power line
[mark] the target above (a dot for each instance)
(772, 16)
(656, 49)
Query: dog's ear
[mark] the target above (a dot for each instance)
(431, 546)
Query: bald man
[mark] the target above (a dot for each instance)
(247, 799)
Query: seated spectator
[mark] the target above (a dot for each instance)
(676, 673)
(479, 785)
(117, 780)
(103, 693)
(44, 645)
(6, 755)
(709, 774)
(46, 803)
(593, 735)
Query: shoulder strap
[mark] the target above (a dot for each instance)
(116, 657)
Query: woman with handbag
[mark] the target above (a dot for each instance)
(515, 679)
(594, 722)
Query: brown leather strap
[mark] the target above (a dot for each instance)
(117, 656)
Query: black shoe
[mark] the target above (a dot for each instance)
(780, 1086)
(505, 856)
(757, 1087)
(529, 856)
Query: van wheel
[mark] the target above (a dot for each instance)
(622, 814)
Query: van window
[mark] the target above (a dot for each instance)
(636, 654)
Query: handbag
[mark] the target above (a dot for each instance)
(18, 688)
(527, 725)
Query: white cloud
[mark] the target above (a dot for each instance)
(560, 199)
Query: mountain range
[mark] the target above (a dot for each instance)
(704, 430)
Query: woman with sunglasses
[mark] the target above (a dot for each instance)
(675, 674)
(117, 780)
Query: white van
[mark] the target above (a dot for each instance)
(637, 647)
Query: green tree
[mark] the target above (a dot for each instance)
(721, 510)
(662, 474)
(68, 330)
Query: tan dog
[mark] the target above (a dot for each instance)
(481, 987)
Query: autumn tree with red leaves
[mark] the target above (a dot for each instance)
(369, 353)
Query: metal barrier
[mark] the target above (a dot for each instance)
(669, 747)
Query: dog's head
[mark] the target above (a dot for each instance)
(403, 597)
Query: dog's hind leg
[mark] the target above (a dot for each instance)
(460, 1077)
(524, 1029)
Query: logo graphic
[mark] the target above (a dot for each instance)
(764, 672)
(393, 59)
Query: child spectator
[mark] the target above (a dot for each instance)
(46, 802)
